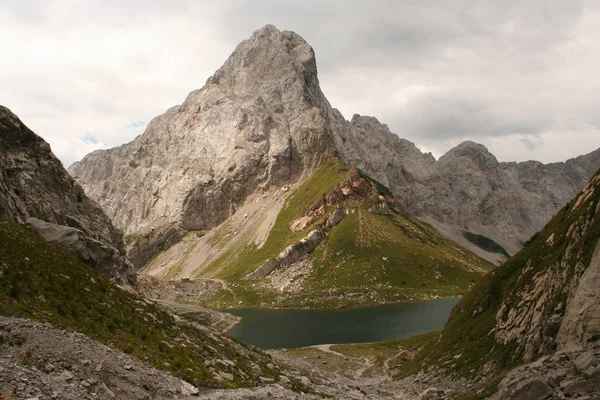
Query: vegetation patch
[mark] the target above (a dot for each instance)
(43, 283)
(238, 262)
(366, 259)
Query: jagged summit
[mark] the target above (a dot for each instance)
(268, 55)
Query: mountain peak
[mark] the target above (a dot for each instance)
(267, 56)
(469, 146)
(268, 29)
(469, 150)
(261, 120)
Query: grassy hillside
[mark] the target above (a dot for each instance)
(237, 263)
(561, 250)
(370, 259)
(43, 283)
(367, 259)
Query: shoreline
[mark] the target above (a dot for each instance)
(350, 307)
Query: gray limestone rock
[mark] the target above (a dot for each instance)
(467, 186)
(262, 119)
(290, 255)
(35, 187)
(581, 322)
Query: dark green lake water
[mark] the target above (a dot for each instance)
(276, 329)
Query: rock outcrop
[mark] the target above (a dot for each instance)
(540, 307)
(581, 323)
(570, 373)
(262, 120)
(292, 254)
(35, 188)
(554, 306)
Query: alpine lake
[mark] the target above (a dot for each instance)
(292, 328)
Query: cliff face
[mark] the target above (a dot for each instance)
(467, 188)
(261, 120)
(35, 188)
(543, 300)
(258, 121)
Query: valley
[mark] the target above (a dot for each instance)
(361, 267)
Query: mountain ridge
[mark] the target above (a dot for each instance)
(262, 121)
(540, 306)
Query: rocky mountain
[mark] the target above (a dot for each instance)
(257, 122)
(337, 239)
(541, 305)
(37, 190)
(467, 189)
(261, 121)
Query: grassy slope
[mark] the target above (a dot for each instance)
(236, 264)
(388, 357)
(350, 266)
(41, 282)
(390, 258)
(469, 331)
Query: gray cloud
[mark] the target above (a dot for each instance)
(518, 76)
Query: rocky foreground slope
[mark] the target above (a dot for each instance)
(37, 190)
(98, 338)
(261, 121)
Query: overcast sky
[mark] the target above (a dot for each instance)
(521, 77)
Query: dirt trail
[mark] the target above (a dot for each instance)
(366, 361)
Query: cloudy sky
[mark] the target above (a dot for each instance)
(521, 77)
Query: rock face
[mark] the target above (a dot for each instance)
(541, 307)
(292, 254)
(35, 188)
(556, 306)
(572, 373)
(467, 186)
(258, 121)
(581, 322)
(262, 120)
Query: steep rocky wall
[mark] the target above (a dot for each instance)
(35, 187)
(258, 121)
(544, 299)
(555, 298)
(581, 323)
